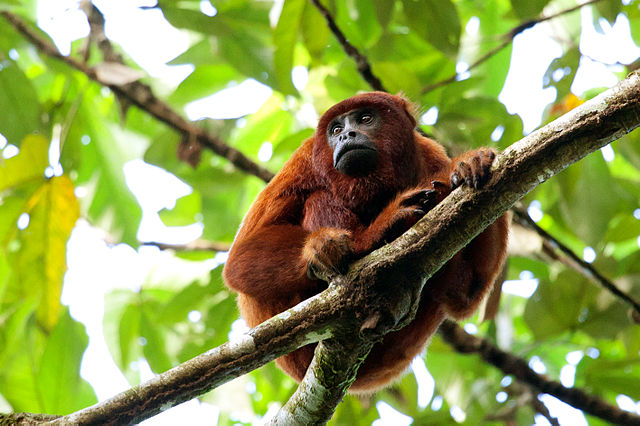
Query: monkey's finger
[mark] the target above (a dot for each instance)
(438, 185)
(456, 180)
(464, 169)
(477, 171)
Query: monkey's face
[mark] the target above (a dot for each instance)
(351, 137)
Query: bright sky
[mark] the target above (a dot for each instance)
(123, 267)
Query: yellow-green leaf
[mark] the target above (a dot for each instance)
(29, 164)
(53, 210)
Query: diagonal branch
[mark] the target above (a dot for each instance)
(466, 343)
(364, 67)
(573, 261)
(141, 95)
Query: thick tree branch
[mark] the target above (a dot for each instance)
(466, 343)
(367, 303)
(331, 373)
(364, 67)
(141, 95)
(572, 260)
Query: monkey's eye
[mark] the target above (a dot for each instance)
(336, 129)
(366, 118)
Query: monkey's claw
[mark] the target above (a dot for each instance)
(473, 171)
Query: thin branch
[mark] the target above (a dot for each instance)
(197, 245)
(551, 244)
(543, 410)
(141, 95)
(508, 363)
(364, 67)
(97, 33)
(506, 38)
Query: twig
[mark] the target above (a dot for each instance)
(97, 33)
(197, 245)
(543, 410)
(142, 96)
(506, 38)
(466, 343)
(361, 61)
(551, 244)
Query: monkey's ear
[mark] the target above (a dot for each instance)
(412, 110)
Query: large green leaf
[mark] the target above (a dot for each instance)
(185, 212)
(556, 305)
(21, 113)
(62, 389)
(587, 200)
(358, 20)
(526, 9)
(41, 373)
(435, 21)
(243, 28)
(28, 165)
(204, 81)
(41, 260)
(285, 37)
(98, 151)
(315, 33)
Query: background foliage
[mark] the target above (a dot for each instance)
(46, 106)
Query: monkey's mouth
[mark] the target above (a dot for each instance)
(355, 158)
(354, 150)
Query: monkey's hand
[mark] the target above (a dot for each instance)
(327, 252)
(472, 168)
(412, 205)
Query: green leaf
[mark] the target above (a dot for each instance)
(435, 21)
(315, 32)
(562, 71)
(41, 260)
(618, 376)
(609, 10)
(527, 9)
(121, 324)
(98, 150)
(555, 306)
(359, 21)
(186, 211)
(269, 124)
(384, 11)
(244, 28)
(154, 346)
(21, 114)
(284, 38)
(589, 215)
(205, 80)
(28, 165)
(62, 389)
(42, 373)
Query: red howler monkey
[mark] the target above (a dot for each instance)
(363, 179)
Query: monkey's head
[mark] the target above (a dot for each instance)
(366, 137)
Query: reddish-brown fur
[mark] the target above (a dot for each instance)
(311, 213)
